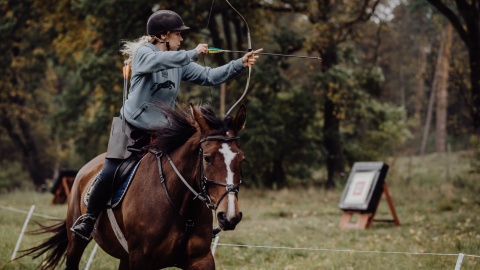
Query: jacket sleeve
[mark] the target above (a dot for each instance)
(147, 60)
(207, 76)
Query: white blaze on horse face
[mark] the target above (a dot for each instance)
(228, 156)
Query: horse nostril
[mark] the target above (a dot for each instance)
(221, 217)
(239, 216)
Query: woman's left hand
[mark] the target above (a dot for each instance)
(250, 58)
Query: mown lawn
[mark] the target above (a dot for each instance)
(436, 199)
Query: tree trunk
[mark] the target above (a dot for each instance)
(431, 102)
(467, 24)
(474, 56)
(331, 127)
(332, 144)
(442, 92)
(276, 178)
(32, 162)
(420, 82)
(222, 98)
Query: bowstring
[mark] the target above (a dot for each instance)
(203, 55)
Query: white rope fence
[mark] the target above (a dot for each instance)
(350, 250)
(26, 212)
(215, 243)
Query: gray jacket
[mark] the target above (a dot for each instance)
(156, 77)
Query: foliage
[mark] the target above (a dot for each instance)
(12, 177)
(25, 97)
(280, 145)
(62, 80)
(374, 130)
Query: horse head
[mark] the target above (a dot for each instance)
(221, 158)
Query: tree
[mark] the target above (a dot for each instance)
(25, 100)
(335, 22)
(442, 92)
(465, 19)
(439, 94)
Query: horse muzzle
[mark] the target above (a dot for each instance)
(228, 223)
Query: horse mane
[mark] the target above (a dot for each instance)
(182, 127)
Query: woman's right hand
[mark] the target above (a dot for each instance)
(202, 49)
(249, 59)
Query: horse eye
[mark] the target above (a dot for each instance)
(207, 159)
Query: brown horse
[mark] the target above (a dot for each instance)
(199, 159)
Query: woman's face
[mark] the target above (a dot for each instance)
(175, 40)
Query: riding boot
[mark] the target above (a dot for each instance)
(100, 194)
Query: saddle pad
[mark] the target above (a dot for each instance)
(120, 190)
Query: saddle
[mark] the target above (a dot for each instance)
(122, 179)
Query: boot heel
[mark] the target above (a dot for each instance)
(83, 227)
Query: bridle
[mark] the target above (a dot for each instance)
(203, 181)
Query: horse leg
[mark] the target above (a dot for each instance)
(139, 260)
(75, 251)
(205, 262)
(124, 264)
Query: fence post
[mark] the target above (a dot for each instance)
(215, 244)
(458, 265)
(90, 259)
(22, 232)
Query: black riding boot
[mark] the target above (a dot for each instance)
(100, 194)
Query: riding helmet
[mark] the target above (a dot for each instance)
(165, 20)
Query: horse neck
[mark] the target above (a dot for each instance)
(186, 161)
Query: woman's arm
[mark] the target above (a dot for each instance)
(148, 60)
(207, 76)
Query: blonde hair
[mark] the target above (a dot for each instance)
(130, 47)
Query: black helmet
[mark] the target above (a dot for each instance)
(165, 20)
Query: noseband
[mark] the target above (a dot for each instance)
(203, 181)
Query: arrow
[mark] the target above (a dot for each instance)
(218, 50)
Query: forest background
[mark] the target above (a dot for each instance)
(397, 78)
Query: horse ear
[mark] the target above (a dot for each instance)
(199, 120)
(240, 119)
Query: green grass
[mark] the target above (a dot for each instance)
(438, 214)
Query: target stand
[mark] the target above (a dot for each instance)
(362, 195)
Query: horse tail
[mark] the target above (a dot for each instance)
(55, 245)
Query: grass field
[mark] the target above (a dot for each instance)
(436, 198)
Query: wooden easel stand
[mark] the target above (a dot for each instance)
(349, 219)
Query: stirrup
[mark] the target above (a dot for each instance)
(79, 220)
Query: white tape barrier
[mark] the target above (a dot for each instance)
(351, 250)
(22, 232)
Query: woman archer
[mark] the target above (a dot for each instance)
(158, 67)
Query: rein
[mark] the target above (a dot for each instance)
(202, 179)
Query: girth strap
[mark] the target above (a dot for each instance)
(116, 229)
